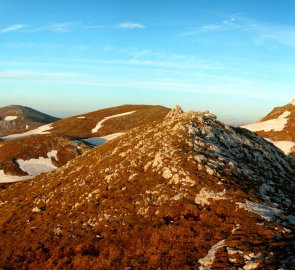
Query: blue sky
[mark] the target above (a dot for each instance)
(232, 57)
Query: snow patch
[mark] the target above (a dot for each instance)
(40, 130)
(81, 117)
(36, 166)
(285, 146)
(10, 118)
(100, 140)
(205, 194)
(277, 124)
(208, 260)
(99, 124)
(52, 154)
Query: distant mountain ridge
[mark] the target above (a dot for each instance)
(17, 118)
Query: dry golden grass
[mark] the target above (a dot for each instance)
(115, 207)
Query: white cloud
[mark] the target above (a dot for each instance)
(130, 25)
(260, 32)
(57, 27)
(212, 85)
(68, 26)
(225, 25)
(12, 28)
(60, 27)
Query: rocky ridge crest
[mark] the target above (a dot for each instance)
(185, 191)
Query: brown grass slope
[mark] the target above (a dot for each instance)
(288, 133)
(37, 146)
(81, 127)
(27, 119)
(143, 201)
(60, 139)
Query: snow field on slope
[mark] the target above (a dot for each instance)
(277, 124)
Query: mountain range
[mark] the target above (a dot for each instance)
(25, 155)
(180, 191)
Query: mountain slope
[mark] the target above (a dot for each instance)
(278, 126)
(24, 158)
(15, 119)
(118, 119)
(185, 192)
(34, 144)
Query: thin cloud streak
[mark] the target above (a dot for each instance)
(250, 89)
(261, 32)
(12, 28)
(225, 25)
(129, 25)
(56, 27)
(69, 26)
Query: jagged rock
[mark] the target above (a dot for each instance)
(175, 112)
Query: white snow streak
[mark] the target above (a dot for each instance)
(40, 130)
(99, 124)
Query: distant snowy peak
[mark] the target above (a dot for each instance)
(292, 102)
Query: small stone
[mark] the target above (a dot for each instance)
(57, 231)
(36, 209)
(167, 173)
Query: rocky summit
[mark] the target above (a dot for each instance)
(182, 192)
